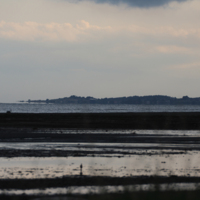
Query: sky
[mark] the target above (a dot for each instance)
(100, 48)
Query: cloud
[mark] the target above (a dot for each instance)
(33, 31)
(165, 31)
(171, 49)
(188, 66)
(84, 31)
(138, 3)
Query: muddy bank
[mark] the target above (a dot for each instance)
(173, 121)
(62, 153)
(92, 181)
(27, 135)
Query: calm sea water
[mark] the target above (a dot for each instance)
(93, 108)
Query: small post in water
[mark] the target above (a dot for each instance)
(81, 167)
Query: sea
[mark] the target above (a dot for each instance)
(93, 108)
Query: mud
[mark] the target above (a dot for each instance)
(173, 120)
(92, 181)
(63, 153)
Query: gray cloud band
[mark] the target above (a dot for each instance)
(138, 3)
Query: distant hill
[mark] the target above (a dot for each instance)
(147, 100)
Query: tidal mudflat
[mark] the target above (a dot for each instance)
(150, 153)
(60, 157)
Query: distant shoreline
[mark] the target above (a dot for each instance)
(137, 100)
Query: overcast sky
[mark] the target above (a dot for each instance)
(101, 48)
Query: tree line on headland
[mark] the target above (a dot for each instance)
(147, 100)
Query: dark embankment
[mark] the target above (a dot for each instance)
(173, 121)
(19, 135)
(91, 181)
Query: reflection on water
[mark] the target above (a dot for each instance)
(99, 189)
(103, 159)
(115, 147)
(190, 133)
(182, 165)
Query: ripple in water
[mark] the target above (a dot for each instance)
(93, 108)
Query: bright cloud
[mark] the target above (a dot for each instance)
(173, 49)
(32, 31)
